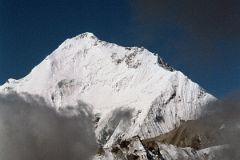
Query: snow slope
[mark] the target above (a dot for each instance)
(131, 90)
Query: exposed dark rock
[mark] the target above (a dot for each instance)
(132, 157)
(124, 144)
(164, 64)
(115, 149)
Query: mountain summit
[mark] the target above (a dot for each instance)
(132, 92)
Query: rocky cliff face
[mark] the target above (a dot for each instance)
(132, 92)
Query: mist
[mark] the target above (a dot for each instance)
(203, 16)
(223, 117)
(120, 117)
(203, 27)
(30, 129)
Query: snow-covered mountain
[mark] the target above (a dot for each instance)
(132, 92)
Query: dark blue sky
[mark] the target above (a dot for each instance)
(200, 38)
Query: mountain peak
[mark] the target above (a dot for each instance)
(133, 56)
(115, 82)
(86, 35)
(109, 77)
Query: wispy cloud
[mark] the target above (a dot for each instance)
(31, 130)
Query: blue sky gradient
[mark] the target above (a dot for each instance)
(205, 47)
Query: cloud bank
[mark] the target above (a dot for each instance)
(223, 118)
(31, 130)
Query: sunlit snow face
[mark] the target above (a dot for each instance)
(31, 130)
